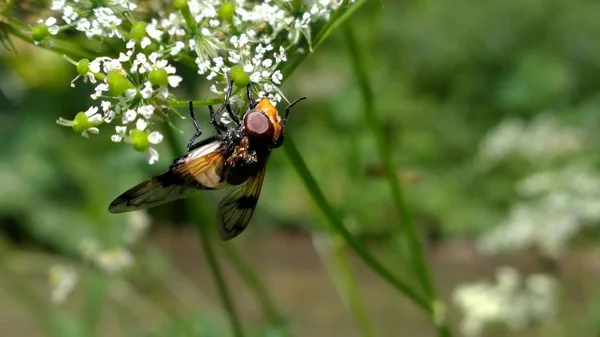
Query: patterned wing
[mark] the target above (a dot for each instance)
(200, 169)
(237, 207)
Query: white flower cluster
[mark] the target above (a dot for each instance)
(542, 138)
(135, 100)
(93, 20)
(511, 301)
(213, 36)
(557, 204)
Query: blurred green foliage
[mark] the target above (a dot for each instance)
(444, 74)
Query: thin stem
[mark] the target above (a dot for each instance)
(54, 44)
(331, 250)
(209, 252)
(317, 195)
(189, 19)
(253, 281)
(321, 202)
(407, 227)
(204, 102)
(196, 213)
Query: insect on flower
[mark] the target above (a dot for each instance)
(236, 157)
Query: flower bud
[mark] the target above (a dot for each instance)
(117, 83)
(226, 11)
(80, 122)
(179, 4)
(239, 76)
(139, 139)
(39, 32)
(83, 66)
(159, 77)
(138, 30)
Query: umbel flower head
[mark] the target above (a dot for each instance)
(247, 40)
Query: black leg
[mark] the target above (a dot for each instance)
(235, 117)
(251, 102)
(287, 110)
(220, 127)
(198, 131)
(227, 106)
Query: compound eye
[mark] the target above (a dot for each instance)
(258, 125)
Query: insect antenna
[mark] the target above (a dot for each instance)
(287, 110)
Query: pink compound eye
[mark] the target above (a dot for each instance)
(258, 125)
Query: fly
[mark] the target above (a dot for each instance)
(235, 157)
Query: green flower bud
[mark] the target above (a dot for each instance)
(139, 139)
(80, 122)
(179, 4)
(235, 70)
(39, 32)
(239, 76)
(117, 83)
(158, 77)
(152, 47)
(83, 66)
(226, 11)
(138, 30)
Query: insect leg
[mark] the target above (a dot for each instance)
(196, 125)
(235, 117)
(219, 126)
(251, 102)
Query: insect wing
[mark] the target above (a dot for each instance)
(197, 170)
(237, 207)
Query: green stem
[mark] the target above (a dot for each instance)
(187, 16)
(331, 250)
(317, 195)
(321, 202)
(253, 281)
(196, 213)
(407, 227)
(209, 252)
(54, 44)
(96, 287)
(204, 102)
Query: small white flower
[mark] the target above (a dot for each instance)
(141, 124)
(63, 279)
(137, 225)
(147, 91)
(129, 116)
(174, 80)
(146, 110)
(155, 137)
(277, 77)
(152, 155)
(114, 260)
(120, 132)
(255, 77)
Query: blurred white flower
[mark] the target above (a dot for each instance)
(110, 261)
(542, 138)
(556, 205)
(509, 301)
(138, 223)
(62, 279)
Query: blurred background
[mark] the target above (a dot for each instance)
(492, 112)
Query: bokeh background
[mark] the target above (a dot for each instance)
(492, 112)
